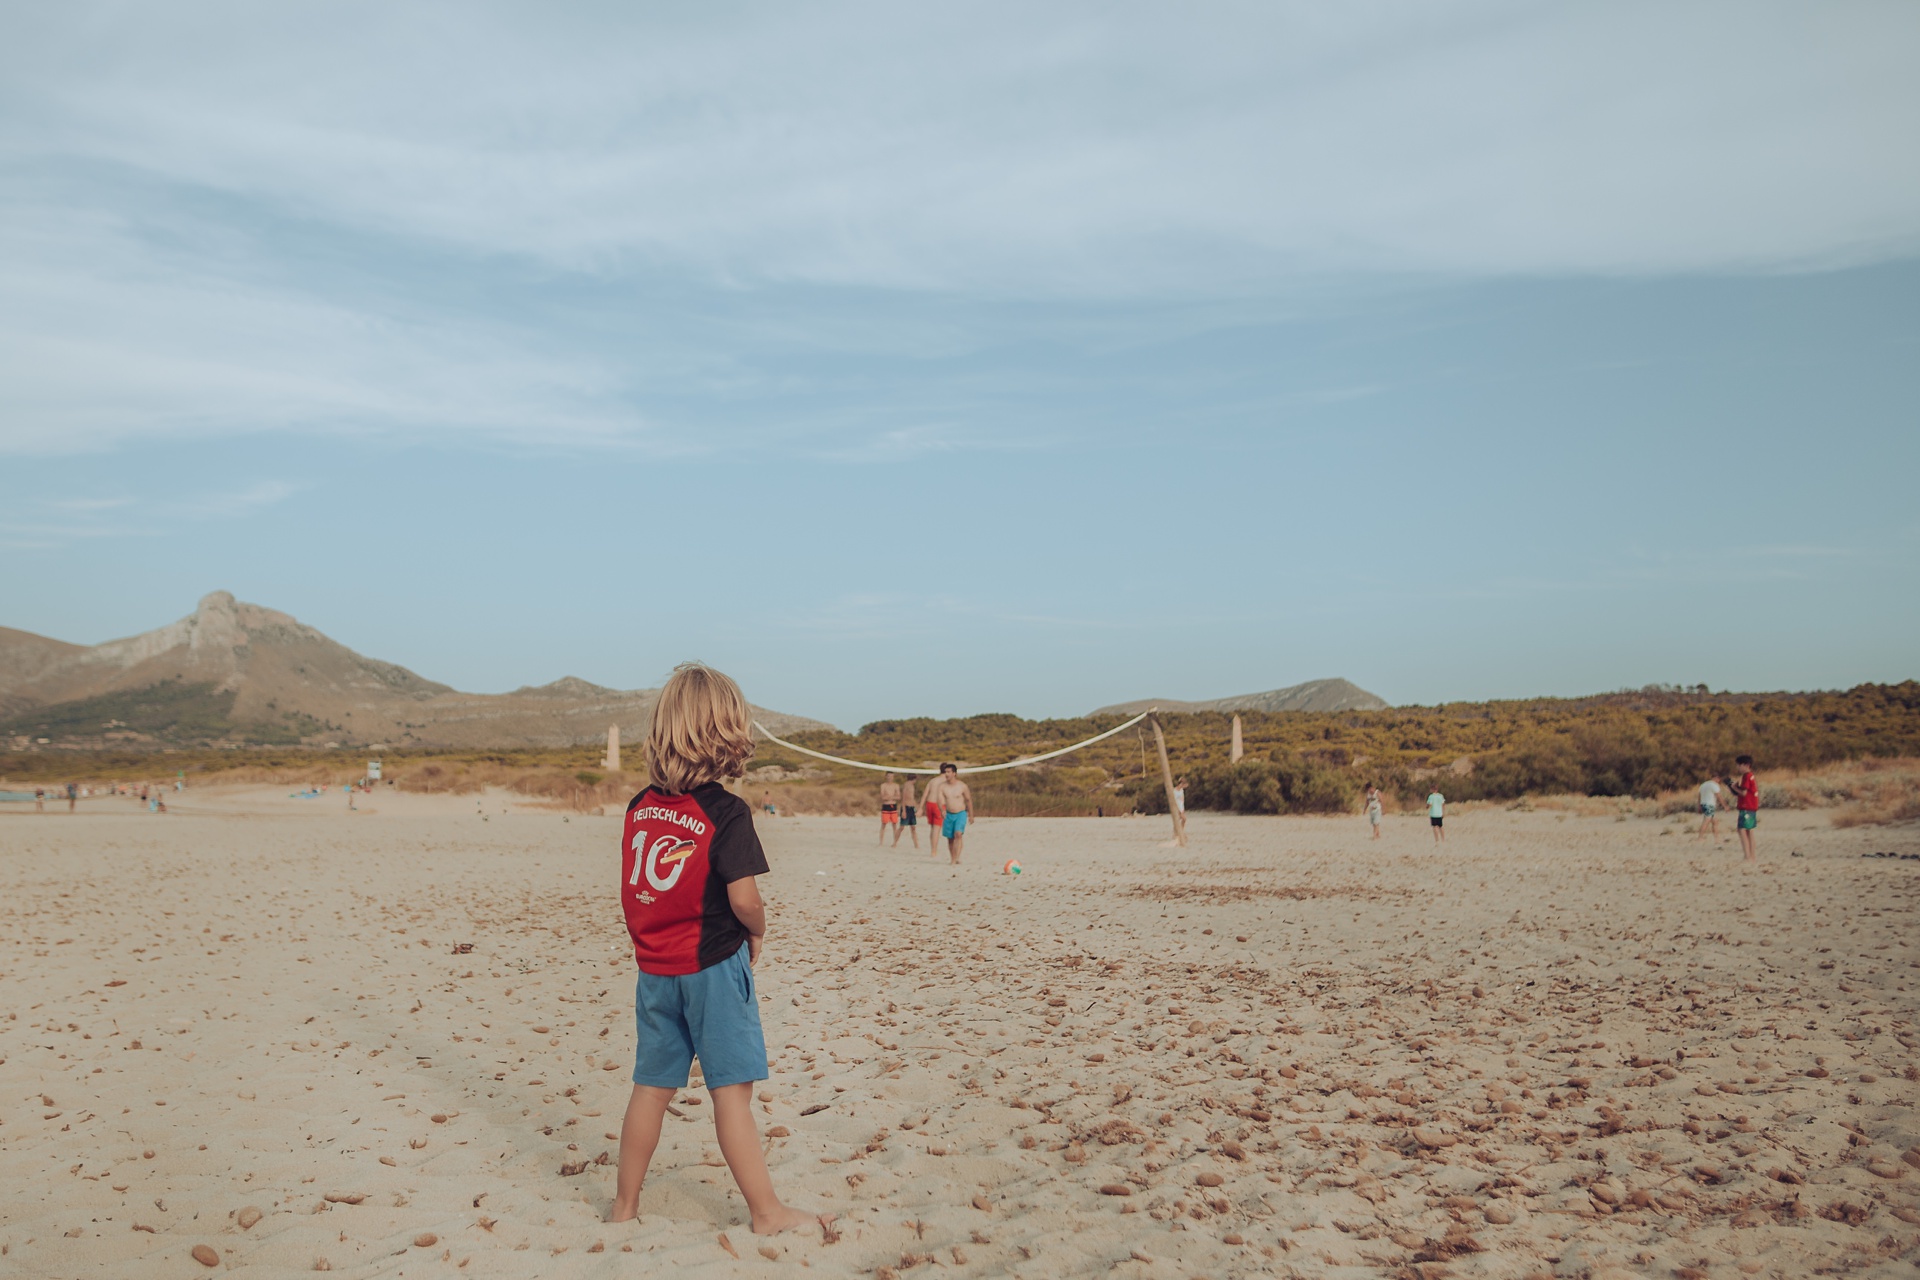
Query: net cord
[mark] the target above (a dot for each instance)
(978, 768)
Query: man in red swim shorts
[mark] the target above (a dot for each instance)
(931, 808)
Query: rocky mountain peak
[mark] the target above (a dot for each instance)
(215, 624)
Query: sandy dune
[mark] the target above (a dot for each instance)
(1563, 1046)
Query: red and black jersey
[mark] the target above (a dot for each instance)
(678, 854)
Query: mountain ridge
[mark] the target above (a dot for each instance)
(1332, 694)
(233, 673)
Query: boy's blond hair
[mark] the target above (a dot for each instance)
(700, 730)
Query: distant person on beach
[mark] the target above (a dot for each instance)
(73, 795)
(1709, 810)
(688, 888)
(1180, 799)
(1746, 794)
(1373, 809)
(1437, 815)
(930, 806)
(39, 799)
(907, 820)
(956, 803)
(889, 809)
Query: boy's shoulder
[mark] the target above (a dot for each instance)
(721, 804)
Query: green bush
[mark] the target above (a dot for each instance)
(1148, 794)
(1287, 783)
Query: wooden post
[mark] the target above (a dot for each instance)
(1166, 776)
(1238, 750)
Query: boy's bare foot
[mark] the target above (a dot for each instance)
(790, 1219)
(617, 1212)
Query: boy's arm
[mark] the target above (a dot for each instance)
(743, 895)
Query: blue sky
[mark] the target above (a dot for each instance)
(909, 363)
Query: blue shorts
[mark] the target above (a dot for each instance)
(710, 1015)
(955, 824)
(1749, 819)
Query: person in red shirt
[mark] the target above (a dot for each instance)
(1747, 802)
(689, 855)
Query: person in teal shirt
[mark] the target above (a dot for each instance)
(1436, 814)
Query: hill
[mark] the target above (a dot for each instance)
(1633, 743)
(1314, 695)
(233, 673)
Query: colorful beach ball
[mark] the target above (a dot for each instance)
(1010, 868)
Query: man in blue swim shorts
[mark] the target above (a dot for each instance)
(955, 802)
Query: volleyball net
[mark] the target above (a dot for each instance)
(976, 768)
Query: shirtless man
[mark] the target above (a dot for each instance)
(930, 810)
(889, 809)
(955, 801)
(907, 819)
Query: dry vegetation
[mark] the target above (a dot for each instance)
(558, 787)
(1630, 754)
(1860, 793)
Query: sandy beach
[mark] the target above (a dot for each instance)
(1563, 1045)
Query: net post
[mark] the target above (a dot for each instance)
(1166, 776)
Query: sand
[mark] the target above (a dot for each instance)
(1564, 1045)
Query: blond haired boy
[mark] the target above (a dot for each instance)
(689, 856)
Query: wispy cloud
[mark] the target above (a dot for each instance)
(902, 444)
(1006, 147)
(905, 444)
(443, 221)
(50, 522)
(105, 338)
(237, 502)
(86, 504)
(866, 616)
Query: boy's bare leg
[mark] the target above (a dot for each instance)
(639, 1135)
(953, 849)
(740, 1145)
